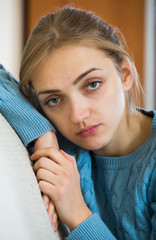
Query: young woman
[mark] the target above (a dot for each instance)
(85, 82)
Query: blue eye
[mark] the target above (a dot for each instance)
(93, 85)
(52, 102)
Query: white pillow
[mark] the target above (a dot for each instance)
(22, 212)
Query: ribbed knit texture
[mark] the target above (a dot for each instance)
(22, 116)
(91, 229)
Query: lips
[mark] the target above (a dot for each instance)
(90, 130)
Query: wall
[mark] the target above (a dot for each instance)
(11, 40)
(150, 54)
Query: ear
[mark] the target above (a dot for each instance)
(127, 75)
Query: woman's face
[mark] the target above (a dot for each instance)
(82, 94)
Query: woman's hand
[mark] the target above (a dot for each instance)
(48, 140)
(59, 178)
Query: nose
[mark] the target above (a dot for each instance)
(79, 111)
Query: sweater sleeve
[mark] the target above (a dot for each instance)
(91, 229)
(28, 123)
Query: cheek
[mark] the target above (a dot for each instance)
(58, 120)
(112, 104)
(117, 93)
(119, 105)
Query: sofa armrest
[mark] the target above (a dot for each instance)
(22, 212)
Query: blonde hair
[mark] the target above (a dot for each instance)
(73, 26)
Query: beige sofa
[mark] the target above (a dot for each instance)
(22, 212)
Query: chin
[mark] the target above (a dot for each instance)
(93, 145)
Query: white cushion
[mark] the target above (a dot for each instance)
(22, 212)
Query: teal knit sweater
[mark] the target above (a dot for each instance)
(125, 187)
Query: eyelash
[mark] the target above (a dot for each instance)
(97, 82)
(52, 99)
(88, 90)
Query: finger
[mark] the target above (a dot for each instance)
(48, 189)
(51, 153)
(55, 221)
(51, 209)
(43, 152)
(53, 215)
(46, 163)
(47, 176)
(69, 157)
(46, 200)
(66, 155)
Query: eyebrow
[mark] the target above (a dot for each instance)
(85, 74)
(78, 79)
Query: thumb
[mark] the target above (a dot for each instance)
(66, 155)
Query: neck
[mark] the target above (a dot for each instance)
(132, 132)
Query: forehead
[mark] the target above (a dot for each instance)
(68, 62)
